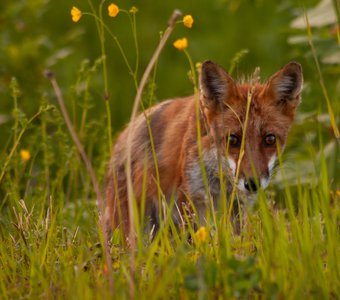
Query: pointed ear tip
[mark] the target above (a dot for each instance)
(294, 65)
(208, 66)
(207, 63)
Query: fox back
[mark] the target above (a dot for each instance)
(191, 149)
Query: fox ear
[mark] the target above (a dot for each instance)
(216, 86)
(286, 84)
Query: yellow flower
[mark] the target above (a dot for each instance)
(198, 65)
(201, 234)
(25, 155)
(181, 44)
(76, 14)
(133, 9)
(188, 20)
(113, 10)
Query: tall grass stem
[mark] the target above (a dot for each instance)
(175, 15)
(89, 168)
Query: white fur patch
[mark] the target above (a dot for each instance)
(271, 164)
(240, 185)
(195, 172)
(264, 182)
(232, 165)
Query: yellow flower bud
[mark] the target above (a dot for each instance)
(181, 44)
(113, 10)
(201, 234)
(188, 20)
(198, 65)
(76, 14)
(25, 155)
(133, 9)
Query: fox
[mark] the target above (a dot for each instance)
(180, 147)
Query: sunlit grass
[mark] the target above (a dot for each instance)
(289, 252)
(50, 238)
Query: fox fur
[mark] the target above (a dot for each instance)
(220, 109)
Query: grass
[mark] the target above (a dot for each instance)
(280, 253)
(51, 243)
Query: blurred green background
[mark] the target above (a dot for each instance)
(39, 34)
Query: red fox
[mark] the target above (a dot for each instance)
(176, 140)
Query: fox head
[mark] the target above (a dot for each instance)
(248, 138)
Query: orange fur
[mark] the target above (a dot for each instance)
(173, 126)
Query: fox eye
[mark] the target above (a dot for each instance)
(233, 140)
(270, 140)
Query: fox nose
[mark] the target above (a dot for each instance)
(250, 185)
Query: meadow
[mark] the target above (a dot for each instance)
(90, 57)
